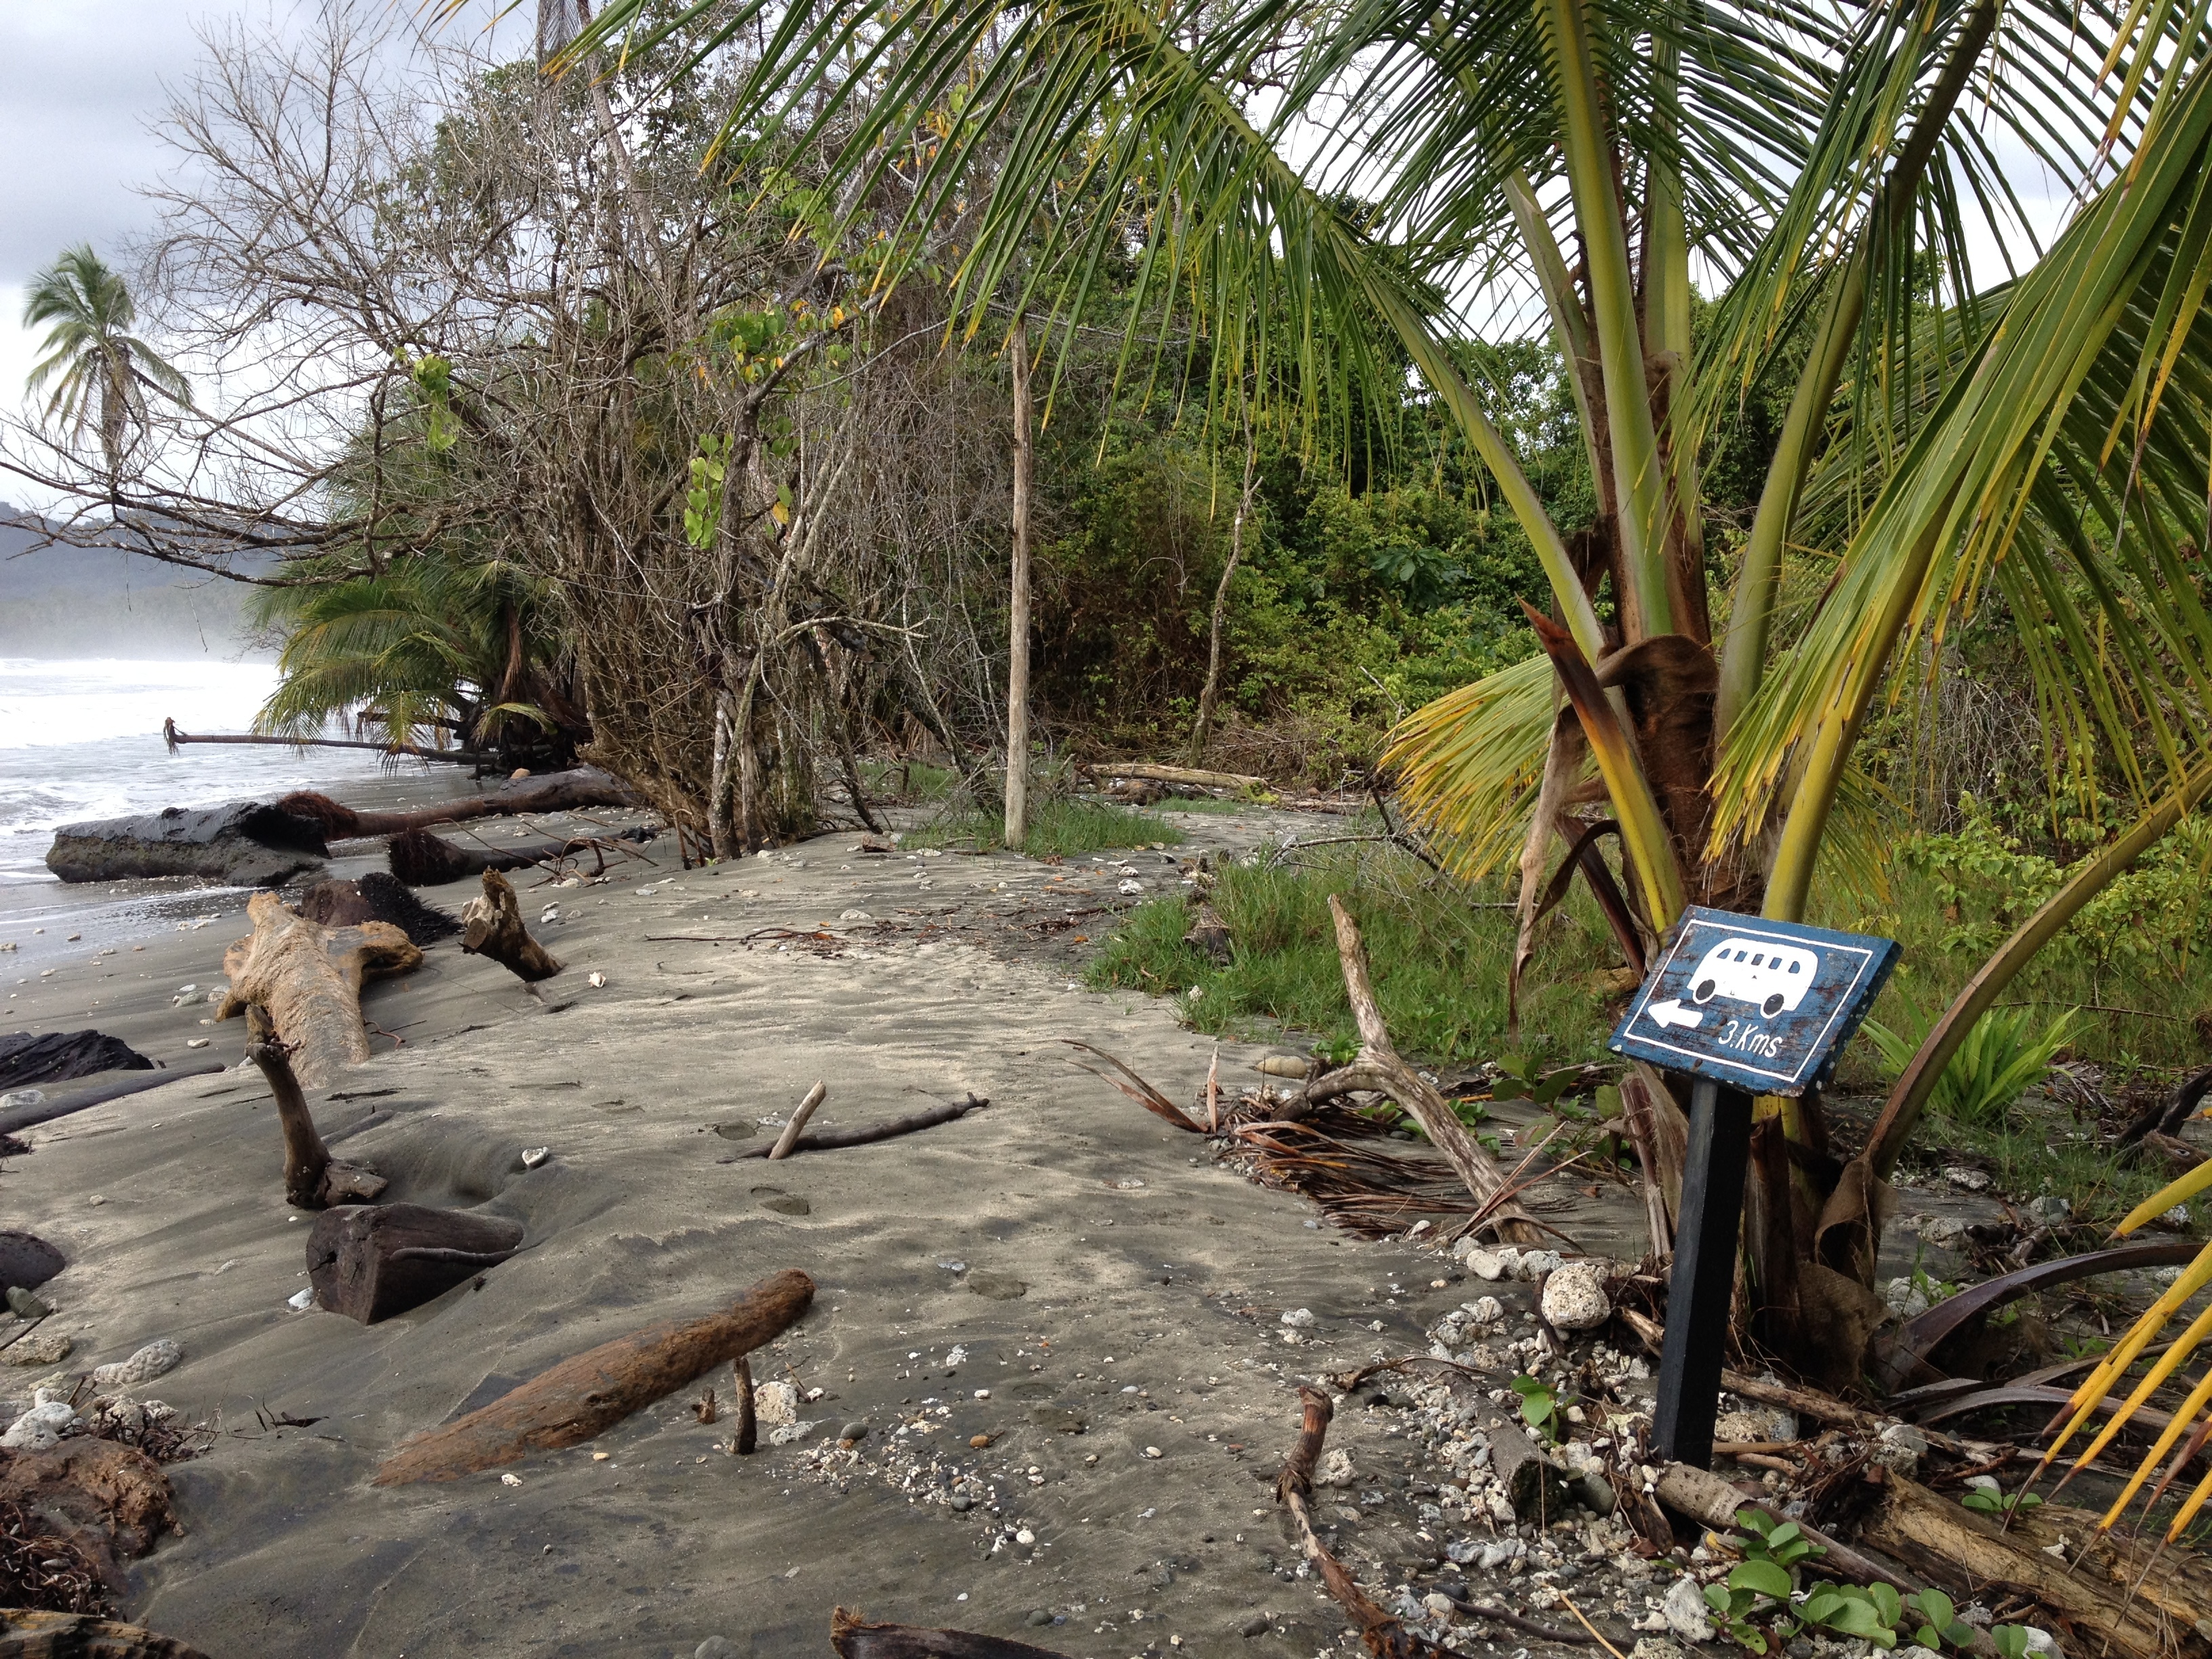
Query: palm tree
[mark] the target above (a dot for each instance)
(99, 369)
(1299, 179)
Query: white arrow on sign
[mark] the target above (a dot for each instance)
(1672, 1012)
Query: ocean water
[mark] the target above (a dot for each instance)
(82, 739)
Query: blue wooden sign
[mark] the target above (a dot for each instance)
(1762, 1005)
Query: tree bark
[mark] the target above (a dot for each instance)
(492, 927)
(313, 1180)
(1202, 732)
(308, 978)
(1017, 644)
(369, 1262)
(581, 1397)
(556, 792)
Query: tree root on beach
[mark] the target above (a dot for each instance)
(852, 1637)
(308, 979)
(369, 1262)
(581, 1397)
(492, 927)
(313, 1180)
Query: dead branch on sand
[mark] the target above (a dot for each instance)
(850, 1637)
(824, 1141)
(313, 1180)
(492, 927)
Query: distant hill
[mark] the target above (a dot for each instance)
(100, 602)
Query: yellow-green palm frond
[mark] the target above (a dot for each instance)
(1469, 764)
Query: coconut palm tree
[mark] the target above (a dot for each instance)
(1324, 190)
(99, 370)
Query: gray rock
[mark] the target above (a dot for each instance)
(1965, 1179)
(1258, 1624)
(962, 1502)
(1687, 1612)
(715, 1647)
(1038, 1619)
(1658, 1647)
(2042, 1644)
(38, 1348)
(39, 1428)
(24, 1305)
(156, 1358)
(1163, 1578)
(1596, 1492)
(2049, 1211)
(854, 1431)
(1574, 1296)
(246, 844)
(999, 1287)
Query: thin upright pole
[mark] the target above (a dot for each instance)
(1703, 1282)
(1017, 644)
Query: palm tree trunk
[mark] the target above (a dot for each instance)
(1017, 643)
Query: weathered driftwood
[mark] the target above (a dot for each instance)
(111, 1500)
(554, 791)
(377, 896)
(246, 843)
(369, 1262)
(824, 1140)
(1190, 777)
(176, 739)
(492, 927)
(1709, 1500)
(789, 1138)
(78, 1100)
(313, 1180)
(422, 859)
(1378, 1060)
(579, 1398)
(58, 1056)
(746, 1436)
(2129, 1597)
(1384, 1636)
(852, 1637)
(26, 1634)
(308, 977)
(1536, 1488)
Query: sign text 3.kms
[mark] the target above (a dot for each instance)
(1762, 1005)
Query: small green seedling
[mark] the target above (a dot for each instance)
(1540, 1407)
(1940, 1624)
(1871, 1613)
(1523, 1076)
(1983, 1501)
(1784, 1543)
(2010, 1640)
(1731, 1604)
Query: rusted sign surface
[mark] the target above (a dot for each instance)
(1763, 1006)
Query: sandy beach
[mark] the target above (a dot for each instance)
(1060, 1272)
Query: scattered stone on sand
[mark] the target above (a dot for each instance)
(38, 1348)
(1298, 1318)
(157, 1358)
(776, 1402)
(535, 1156)
(1574, 1297)
(2049, 1211)
(853, 1433)
(1687, 1611)
(24, 1305)
(1965, 1179)
(40, 1427)
(715, 1647)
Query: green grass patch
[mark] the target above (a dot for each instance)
(1058, 826)
(1439, 964)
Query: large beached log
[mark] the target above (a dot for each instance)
(554, 791)
(1378, 1060)
(1190, 777)
(308, 978)
(421, 859)
(313, 1180)
(852, 1637)
(246, 844)
(377, 896)
(580, 1398)
(29, 1634)
(371, 1262)
(492, 927)
(77, 1100)
(58, 1056)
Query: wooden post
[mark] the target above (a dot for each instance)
(1017, 648)
(1703, 1281)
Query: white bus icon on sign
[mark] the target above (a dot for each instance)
(1770, 977)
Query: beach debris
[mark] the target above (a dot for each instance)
(26, 1260)
(301, 1300)
(157, 1358)
(824, 1140)
(26, 1305)
(536, 1158)
(492, 927)
(243, 844)
(806, 1108)
(58, 1056)
(597, 981)
(40, 1427)
(852, 1637)
(422, 859)
(776, 1402)
(377, 896)
(706, 1408)
(38, 1348)
(579, 1398)
(747, 1436)
(307, 979)
(551, 791)
(28, 1107)
(1574, 1296)
(1294, 1065)
(1534, 1485)
(1209, 933)
(371, 1262)
(313, 1180)
(35, 1633)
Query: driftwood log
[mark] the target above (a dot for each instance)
(492, 927)
(246, 843)
(2116, 1595)
(852, 1637)
(78, 1100)
(554, 792)
(371, 1262)
(1534, 1484)
(308, 978)
(579, 1398)
(377, 896)
(58, 1056)
(1378, 1066)
(1188, 777)
(313, 1180)
(421, 859)
(824, 1140)
(30, 1635)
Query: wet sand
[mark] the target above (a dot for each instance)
(1060, 1260)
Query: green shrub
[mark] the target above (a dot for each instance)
(2004, 1056)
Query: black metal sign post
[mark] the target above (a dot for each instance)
(1742, 1006)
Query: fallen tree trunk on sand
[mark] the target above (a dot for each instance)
(579, 1398)
(58, 1056)
(313, 1180)
(1190, 777)
(177, 739)
(308, 979)
(554, 791)
(1378, 1066)
(492, 927)
(852, 1637)
(824, 1140)
(377, 896)
(369, 1262)
(424, 860)
(29, 1634)
(45, 1111)
(246, 844)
